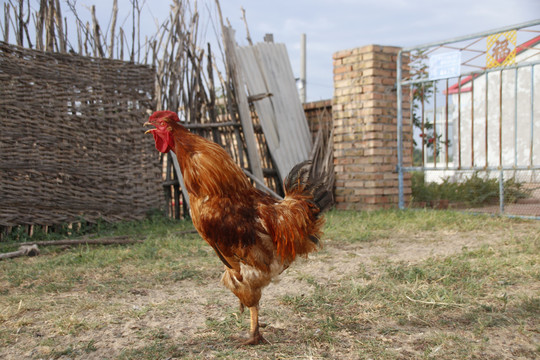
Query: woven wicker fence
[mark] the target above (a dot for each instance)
(72, 145)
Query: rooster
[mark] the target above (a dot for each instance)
(256, 236)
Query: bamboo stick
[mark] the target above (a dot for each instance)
(86, 39)
(113, 26)
(98, 50)
(79, 39)
(49, 29)
(121, 57)
(19, 33)
(59, 26)
(6, 22)
(248, 36)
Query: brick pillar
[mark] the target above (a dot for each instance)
(364, 114)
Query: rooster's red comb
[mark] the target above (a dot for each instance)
(165, 115)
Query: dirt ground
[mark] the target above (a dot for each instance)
(182, 310)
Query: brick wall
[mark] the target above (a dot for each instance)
(364, 115)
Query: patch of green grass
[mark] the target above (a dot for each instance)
(443, 307)
(447, 345)
(156, 349)
(364, 226)
(80, 350)
(529, 306)
(369, 348)
(67, 352)
(166, 247)
(230, 325)
(469, 290)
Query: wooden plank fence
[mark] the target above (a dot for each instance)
(268, 75)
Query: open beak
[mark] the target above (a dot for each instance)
(148, 123)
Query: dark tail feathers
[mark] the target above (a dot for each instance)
(302, 179)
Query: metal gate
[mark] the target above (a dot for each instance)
(471, 108)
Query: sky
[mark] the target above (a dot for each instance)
(334, 25)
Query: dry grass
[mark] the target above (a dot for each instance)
(387, 285)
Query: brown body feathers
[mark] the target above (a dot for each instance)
(255, 235)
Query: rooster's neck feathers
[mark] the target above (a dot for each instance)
(206, 167)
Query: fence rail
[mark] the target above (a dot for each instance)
(475, 109)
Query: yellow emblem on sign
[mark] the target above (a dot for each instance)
(501, 49)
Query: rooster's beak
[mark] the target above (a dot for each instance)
(148, 123)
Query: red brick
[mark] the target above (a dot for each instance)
(342, 54)
(342, 69)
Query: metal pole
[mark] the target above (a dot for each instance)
(500, 117)
(501, 192)
(486, 109)
(472, 122)
(435, 123)
(459, 123)
(532, 117)
(303, 68)
(401, 197)
(474, 74)
(515, 116)
(446, 128)
(474, 36)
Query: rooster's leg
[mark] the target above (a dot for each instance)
(255, 335)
